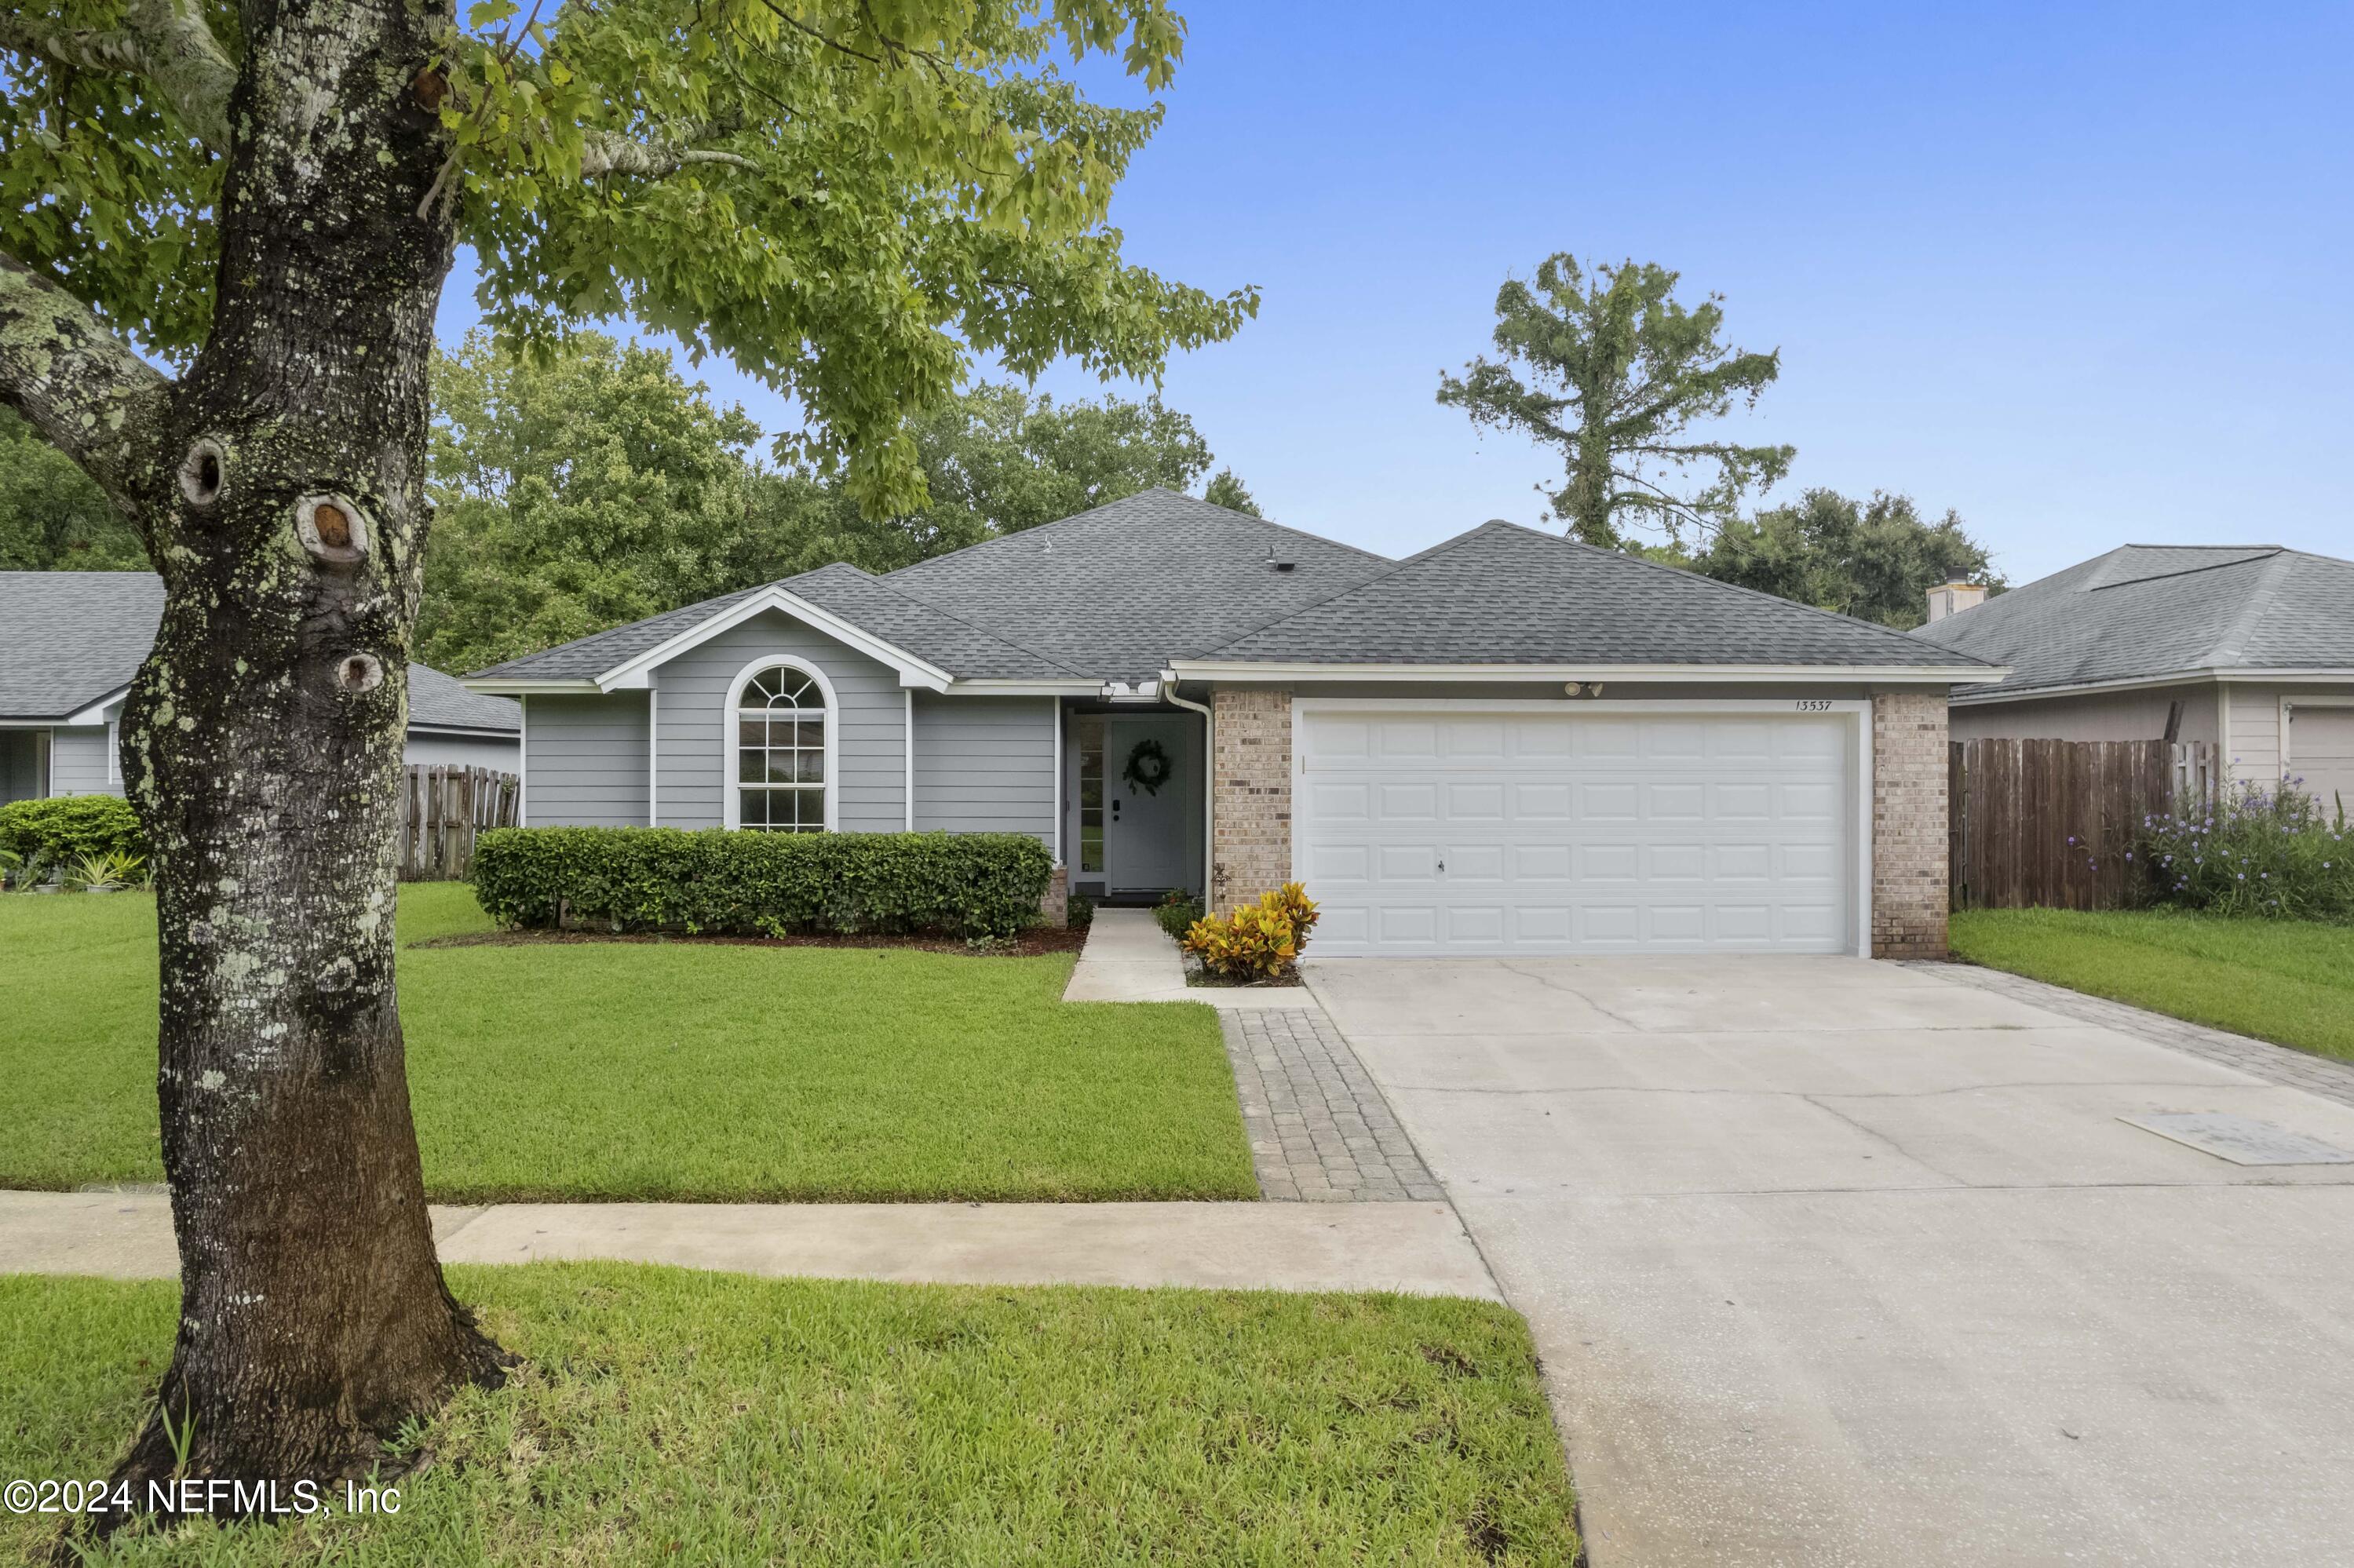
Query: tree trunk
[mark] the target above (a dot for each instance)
(284, 505)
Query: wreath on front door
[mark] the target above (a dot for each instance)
(1147, 766)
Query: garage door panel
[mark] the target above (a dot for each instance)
(1683, 801)
(1541, 802)
(1475, 802)
(1744, 803)
(1332, 866)
(1405, 802)
(1534, 833)
(1475, 862)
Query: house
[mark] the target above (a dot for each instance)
(1507, 744)
(70, 643)
(2247, 647)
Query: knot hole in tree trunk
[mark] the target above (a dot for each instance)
(331, 528)
(201, 472)
(360, 672)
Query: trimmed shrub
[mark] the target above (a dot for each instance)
(1177, 914)
(69, 827)
(2256, 851)
(723, 883)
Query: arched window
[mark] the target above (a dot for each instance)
(780, 717)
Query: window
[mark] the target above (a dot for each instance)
(780, 783)
(1090, 734)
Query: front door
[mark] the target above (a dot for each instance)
(1144, 826)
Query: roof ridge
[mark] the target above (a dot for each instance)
(2255, 553)
(1107, 505)
(940, 610)
(1735, 587)
(2259, 603)
(1390, 570)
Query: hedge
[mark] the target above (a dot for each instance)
(67, 827)
(723, 883)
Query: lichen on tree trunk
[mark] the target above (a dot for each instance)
(279, 484)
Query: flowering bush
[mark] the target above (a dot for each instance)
(2256, 851)
(1258, 941)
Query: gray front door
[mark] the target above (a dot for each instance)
(1144, 830)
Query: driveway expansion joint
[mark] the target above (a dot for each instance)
(2282, 1065)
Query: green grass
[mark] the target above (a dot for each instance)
(673, 1417)
(668, 1070)
(2287, 981)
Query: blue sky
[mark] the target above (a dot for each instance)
(2077, 272)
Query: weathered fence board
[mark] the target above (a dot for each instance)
(441, 810)
(2049, 822)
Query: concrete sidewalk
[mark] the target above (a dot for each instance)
(1129, 958)
(1418, 1248)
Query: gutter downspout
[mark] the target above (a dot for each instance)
(1209, 784)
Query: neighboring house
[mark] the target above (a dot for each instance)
(2248, 647)
(1506, 744)
(70, 643)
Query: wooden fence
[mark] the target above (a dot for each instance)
(2049, 822)
(441, 810)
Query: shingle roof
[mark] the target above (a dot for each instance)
(1117, 592)
(601, 651)
(2144, 610)
(69, 639)
(878, 606)
(1120, 590)
(1502, 594)
(437, 701)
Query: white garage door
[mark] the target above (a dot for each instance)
(1576, 831)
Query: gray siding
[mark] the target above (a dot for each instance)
(697, 745)
(986, 764)
(79, 761)
(501, 753)
(586, 759)
(2094, 716)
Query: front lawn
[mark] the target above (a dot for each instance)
(2287, 981)
(671, 1070)
(676, 1417)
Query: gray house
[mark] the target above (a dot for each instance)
(70, 643)
(2247, 647)
(1506, 744)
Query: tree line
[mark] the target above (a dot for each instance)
(588, 484)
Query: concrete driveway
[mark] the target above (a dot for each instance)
(1837, 1262)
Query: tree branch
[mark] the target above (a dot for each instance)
(74, 381)
(167, 42)
(607, 153)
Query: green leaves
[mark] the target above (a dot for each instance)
(1875, 559)
(851, 200)
(1619, 369)
(723, 883)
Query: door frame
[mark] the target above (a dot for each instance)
(1857, 711)
(1175, 727)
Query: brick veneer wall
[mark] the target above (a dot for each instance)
(1909, 888)
(1055, 903)
(1250, 792)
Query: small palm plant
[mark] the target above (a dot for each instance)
(110, 872)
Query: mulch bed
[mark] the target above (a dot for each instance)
(1035, 942)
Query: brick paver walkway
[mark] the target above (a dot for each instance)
(1319, 1131)
(2321, 1076)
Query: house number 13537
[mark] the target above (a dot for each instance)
(1814, 704)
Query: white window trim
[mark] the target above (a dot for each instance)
(1857, 710)
(732, 787)
(115, 752)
